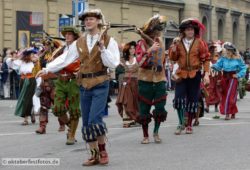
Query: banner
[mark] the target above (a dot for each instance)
(29, 26)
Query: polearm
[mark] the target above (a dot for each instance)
(51, 37)
(107, 26)
(112, 25)
(149, 40)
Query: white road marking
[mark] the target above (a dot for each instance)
(21, 133)
(207, 118)
(13, 121)
(137, 127)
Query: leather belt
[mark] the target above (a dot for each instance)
(66, 77)
(149, 67)
(27, 76)
(92, 75)
(154, 68)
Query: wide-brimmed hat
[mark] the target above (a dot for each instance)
(72, 29)
(50, 42)
(229, 46)
(155, 23)
(29, 51)
(218, 45)
(127, 47)
(97, 13)
(215, 46)
(198, 27)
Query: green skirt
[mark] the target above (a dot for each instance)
(24, 103)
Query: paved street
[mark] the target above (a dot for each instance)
(215, 144)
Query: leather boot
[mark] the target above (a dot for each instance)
(43, 122)
(94, 160)
(62, 126)
(104, 158)
(64, 119)
(72, 131)
(197, 115)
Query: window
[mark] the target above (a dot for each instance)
(220, 30)
(248, 36)
(235, 33)
(205, 23)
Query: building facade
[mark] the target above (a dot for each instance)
(47, 11)
(227, 20)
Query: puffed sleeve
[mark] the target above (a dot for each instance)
(242, 69)
(62, 61)
(14, 64)
(205, 56)
(111, 55)
(141, 52)
(173, 54)
(218, 66)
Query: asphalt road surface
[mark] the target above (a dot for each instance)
(215, 144)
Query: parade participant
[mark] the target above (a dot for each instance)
(214, 87)
(201, 107)
(46, 88)
(14, 80)
(97, 51)
(25, 66)
(191, 54)
(233, 68)
(66, 88)
(1, 78)
(168, 66)
(127, 99)
(120, 70)
(152, 90)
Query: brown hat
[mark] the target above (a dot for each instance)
(126, 49)
(97, 13)
(155, 23)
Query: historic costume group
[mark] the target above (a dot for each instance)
(72, 79)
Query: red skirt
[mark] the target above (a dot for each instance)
(127, 99)
(213, 90)
(229, 94)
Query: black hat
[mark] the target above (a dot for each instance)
(29, 51)
(199, 28)
(189, 24)
(229, 46)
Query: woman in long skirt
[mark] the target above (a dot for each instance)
(127, 100)
(25, 66)
(214, 87)
(233, 68)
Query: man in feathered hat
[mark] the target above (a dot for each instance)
(152, 91)
(97, 53)
(66, 64)
(191, 54)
